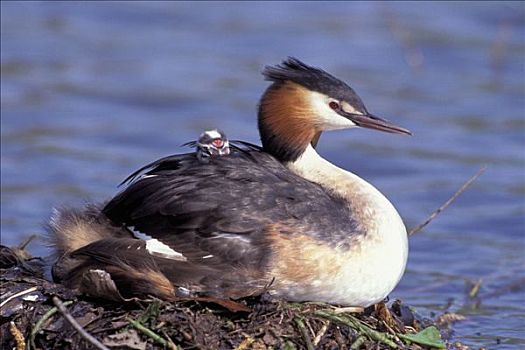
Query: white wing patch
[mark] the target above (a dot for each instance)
(145, 176)
(157, 248)
(185, 292)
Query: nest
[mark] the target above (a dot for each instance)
(38, 314)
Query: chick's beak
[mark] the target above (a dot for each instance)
(372, 122)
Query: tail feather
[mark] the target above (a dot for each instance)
(125, 262)
(86, 242)
(71, 228)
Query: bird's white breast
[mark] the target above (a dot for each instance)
(376, 261)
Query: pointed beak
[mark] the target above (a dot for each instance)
(372, 122)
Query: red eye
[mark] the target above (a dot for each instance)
(334, 105)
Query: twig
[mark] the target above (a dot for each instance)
(358, 342)
(359, 326)
(149, 333)
(448, 202)
(24, 244)
(17, 334)
(40, 322)
(348, 309)
(307, 323)
(304, 332)
(62, 309)
(475, 289)
(26, 291)
(171, 344)
(321, 333)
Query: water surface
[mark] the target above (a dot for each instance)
(92, 91)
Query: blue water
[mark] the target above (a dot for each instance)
(92, 91)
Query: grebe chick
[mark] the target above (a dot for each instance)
(279, 218)
(212, 143)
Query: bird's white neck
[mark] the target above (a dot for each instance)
(369, 206)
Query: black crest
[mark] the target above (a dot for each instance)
(312, 78)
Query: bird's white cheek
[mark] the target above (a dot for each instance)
(335, 122)
(327, 118)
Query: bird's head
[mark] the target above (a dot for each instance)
(304, 101)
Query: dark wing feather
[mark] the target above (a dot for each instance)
(244, 146)
(223, 207)
(173, 161)
(169, 162)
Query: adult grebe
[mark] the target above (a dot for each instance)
(278, 218)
